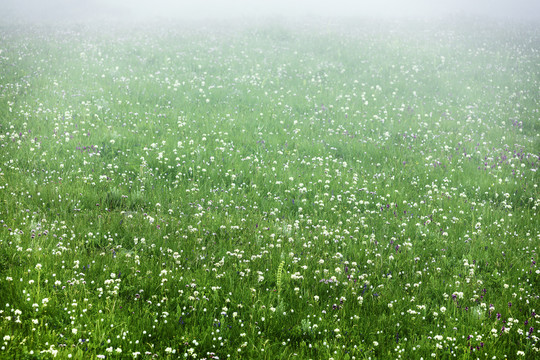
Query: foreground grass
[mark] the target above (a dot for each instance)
(361, 191)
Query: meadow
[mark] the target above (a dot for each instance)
(272, 190)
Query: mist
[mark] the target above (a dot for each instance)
(69, 11)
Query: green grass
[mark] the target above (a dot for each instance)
(270, 192)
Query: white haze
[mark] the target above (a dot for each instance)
(60, 11)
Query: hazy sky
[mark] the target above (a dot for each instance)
(74, 10)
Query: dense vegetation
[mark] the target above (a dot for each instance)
(346, 190)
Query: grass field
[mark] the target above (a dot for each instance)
(346, 190)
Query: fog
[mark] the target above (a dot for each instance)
(64, 11)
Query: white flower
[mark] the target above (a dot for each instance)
(296, 276)
(38, 266)
(74, 331)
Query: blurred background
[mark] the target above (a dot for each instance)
(81, 10)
